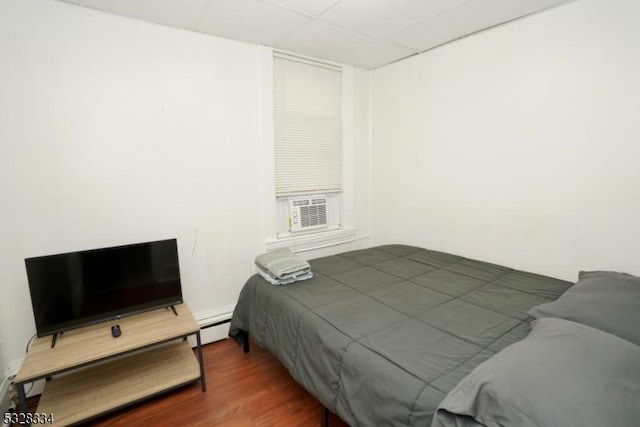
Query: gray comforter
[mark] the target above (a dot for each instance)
(562, 374)
(380, 336)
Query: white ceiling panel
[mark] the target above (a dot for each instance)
(322, 40)
(469, 18)
(175, 13)
(245, 20)
(376, 54)
(133, 8)
(311, 8)
(362, 33)
(381, 18)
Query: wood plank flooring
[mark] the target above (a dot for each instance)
(243, 390)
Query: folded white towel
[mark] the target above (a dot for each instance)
(294, 278)
(281, 267)
(282, 263)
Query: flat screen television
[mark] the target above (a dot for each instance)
(75, 289)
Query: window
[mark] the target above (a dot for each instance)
(339, 125)
(307, 126)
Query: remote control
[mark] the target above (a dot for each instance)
(115, 331)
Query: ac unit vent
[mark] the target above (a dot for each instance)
(307, 214)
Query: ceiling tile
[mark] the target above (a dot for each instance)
(466, 19)
(308, 7)
(323, 40)
(132, 8)
(249, 21)
(381, 18)
(376, 55)
(176, 13)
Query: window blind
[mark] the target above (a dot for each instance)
(308, 127)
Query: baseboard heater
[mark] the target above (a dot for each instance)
(218, 323)
(216, 317)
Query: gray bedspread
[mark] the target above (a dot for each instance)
(379, 336)
(562, 374)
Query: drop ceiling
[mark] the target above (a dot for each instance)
(362, 33)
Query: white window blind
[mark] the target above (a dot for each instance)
(308, 127)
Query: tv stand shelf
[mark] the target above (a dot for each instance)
(150, 357)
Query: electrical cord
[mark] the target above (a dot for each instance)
(29, 343)
(26, 392)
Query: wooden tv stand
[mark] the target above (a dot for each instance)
(150, 357)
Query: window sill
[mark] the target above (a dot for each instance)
(312, 241)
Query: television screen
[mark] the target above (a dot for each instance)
(78, 288)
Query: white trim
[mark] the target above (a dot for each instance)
(212, 316)
(305, 193)
(328, 245)
(5, 396)
(307, 60)
(313, 241)
(207, 318)
(267, 141)
(5, 382)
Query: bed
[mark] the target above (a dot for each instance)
(381, 336)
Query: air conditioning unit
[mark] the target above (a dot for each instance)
(307, 214)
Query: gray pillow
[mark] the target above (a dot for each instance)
(563, 374)
(604, 300)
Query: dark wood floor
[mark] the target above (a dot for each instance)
(243, 390)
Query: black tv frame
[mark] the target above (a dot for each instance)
(165, 257)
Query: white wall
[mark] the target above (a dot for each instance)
(115, 131)
(519, 145)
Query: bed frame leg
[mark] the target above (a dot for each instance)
(324, 417)
(242, 338)
(245, 342)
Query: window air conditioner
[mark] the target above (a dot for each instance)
(307, 214)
